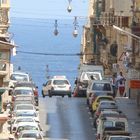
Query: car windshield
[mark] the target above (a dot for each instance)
(24, 120)
(104, 98)
(110, 105)
(101, 87)
(19, 77)
(20, 114)
(26, 107)
(23, 92)
(60, 82)
(27, 127)
(32, 135)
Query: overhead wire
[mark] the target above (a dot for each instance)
(54, 54)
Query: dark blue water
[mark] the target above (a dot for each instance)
(36, 36)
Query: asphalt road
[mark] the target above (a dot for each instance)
(66, 119)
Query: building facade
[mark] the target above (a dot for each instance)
(5, 57)
(112, 37)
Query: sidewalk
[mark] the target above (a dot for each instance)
(130, 109)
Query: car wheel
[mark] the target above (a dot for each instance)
(63, 96)
(43, 94)
(50, 95)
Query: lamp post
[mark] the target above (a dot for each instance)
(56, 30)
(69, 8)
(75, 32)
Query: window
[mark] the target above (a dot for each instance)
(4, 1)
(4, 56)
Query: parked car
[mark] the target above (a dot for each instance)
(106, 106)
(104, 112)
(99, 87)
(99, 99)
(58, 85)
(21, 91)
(31, 134)
(27, 113)
(27, 126)
(23, 107)
(32, 85)
(113, 122)
(25, 99)
(18, 76)
(84, 76)
(16, 121)
(117, 135)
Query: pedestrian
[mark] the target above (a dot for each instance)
(121, 84)
(113, 81)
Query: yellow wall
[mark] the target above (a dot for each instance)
(4, 3)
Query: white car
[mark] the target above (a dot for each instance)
(58, 85)
(111, 122)
(18, 76)
(25, 107)
(16, 121)
(99, 87)
(27, 113)
(31, 134)
(27, 126)
(21, 91)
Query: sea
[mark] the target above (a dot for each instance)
(41, 53)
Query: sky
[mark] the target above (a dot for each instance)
(48, 8)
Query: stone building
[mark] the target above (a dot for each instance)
(5, 56)
(111, 37)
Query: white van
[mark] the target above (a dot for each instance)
(116, 122)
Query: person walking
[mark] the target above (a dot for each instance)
(113, 81)
(121, 84)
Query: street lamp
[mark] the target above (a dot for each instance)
(69, 8)
(75, 32)
(56, 30)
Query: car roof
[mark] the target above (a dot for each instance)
(31, 131)
(59, 77)
(26, 111)
(27, 124)
(20, 72)
(24, 88)
(26, 139)
(114, 115)
(25, 84)
(104, 96)
(107, 101)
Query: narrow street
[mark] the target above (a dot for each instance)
(66, 118)
(69, 118)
